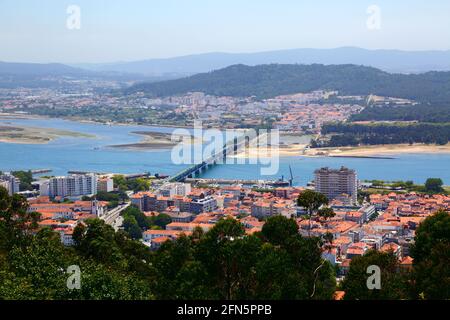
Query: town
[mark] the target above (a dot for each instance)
(303, 113)
(157, 210)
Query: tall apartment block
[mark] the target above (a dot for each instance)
(10, 183)
(337, 184)
(73, 185)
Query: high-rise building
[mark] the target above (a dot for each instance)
(73, 185)
(337, 183)
(10, 183)
(4, 184)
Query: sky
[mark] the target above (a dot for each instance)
(127, 30)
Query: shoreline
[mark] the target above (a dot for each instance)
(361, 152)
(380, 151)
(45, 135)
(155, 141)
(19, 134)
(13, 116)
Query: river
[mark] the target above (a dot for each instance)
(93, 154)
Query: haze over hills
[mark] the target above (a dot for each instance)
(39, 69)
(387, 60)
(15, 74)
(266, 81)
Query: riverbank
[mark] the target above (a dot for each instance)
(13, 116)
(157, 141)
(377, 151)
(34, 135)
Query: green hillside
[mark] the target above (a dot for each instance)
(266, 81)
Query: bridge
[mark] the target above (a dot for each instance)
(113, 214)
(218, 157)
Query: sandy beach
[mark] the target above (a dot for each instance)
(33, 135)
(363, 151)
(156, 141)
(379, 150)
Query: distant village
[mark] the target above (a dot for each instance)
(302, 113)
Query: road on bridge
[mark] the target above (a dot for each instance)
(113, 217)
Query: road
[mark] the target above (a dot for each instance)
(113, 217)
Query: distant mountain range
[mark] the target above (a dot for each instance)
(39, 69)
(14, 74)
(387, 60)
(266, 81)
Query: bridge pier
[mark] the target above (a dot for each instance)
(197, 169)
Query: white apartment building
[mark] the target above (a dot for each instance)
(336, 183)
(44, 187)
(10, 183)
(73, 185)
(176, 188)
(4, 184)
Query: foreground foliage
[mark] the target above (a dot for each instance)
(224, 263)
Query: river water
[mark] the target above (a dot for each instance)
(93, 154)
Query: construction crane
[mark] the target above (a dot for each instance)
(292, 176)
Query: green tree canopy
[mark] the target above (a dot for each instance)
(434, 185)
(393, 284)
(431, 253)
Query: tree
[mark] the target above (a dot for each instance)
(26, 178)
(124, 184)
(311, 201)
(393, 284)
(431, 253)
(96, 240)
(326, 213)
(131, 226)
(142, 220)
(278, 229)
(16, 224)
(161, 220)
(39, 268)
(434, 185)
(217, 253)
(120, 182)
(223, 263)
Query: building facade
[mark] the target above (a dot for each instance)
(73, 186)
(10, 183)
(175, 188)
(105, 184)
(337, 183)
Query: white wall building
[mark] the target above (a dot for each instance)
(175, 188)
(336, 183)
(105, 184)
(10, 183)
(73, 185)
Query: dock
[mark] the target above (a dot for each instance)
(39, 171)
(271, 183)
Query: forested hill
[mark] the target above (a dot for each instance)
(266, 81)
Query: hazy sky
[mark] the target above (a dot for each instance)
(117, 30)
